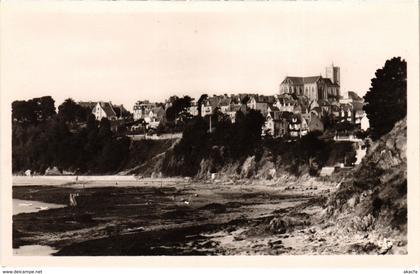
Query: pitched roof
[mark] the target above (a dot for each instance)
(353, 95)
(108, 109)
(317, 109)
(225, 101)
(235, 107)
(329, 82)
(357, 105)
(121, 107)
(157, 109)
(264, 99)
(295, 80)
(283, 115)
(309, 80)
(89, 104)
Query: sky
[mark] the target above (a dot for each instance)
(124, 51)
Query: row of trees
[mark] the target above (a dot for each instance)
(41, 138)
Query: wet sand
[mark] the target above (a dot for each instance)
(181, 217)
(33, 250)
(28, 206)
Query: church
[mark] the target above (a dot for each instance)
(314, 87)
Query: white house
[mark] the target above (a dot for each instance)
(104, 110)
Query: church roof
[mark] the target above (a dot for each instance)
(302, 80)
(309, 80)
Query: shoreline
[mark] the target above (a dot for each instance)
(189, 218)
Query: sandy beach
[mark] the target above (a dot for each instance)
(175, 217)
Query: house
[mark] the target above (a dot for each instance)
(268, 127)
(104, 110)
(206, 108)
(354, 97)
(193, 110)
(313, 104)
(297, 126)
(258, 103)
(285, 102)
(315, 124)
(345, 113)
(281, 123)
(155, 114)
(233, 109)
(141, 109)
(224, 104)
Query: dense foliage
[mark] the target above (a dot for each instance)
(34, 110)
(221, 142)
(69, 111)
(386, 100)
(42, 139)
(178, 108)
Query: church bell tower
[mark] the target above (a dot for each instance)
(333, 73)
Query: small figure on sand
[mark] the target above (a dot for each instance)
(72, 198)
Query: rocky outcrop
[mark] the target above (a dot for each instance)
(374, 196)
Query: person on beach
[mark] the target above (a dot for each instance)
(72, 198)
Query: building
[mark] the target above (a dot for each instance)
(268, 127)
(346, 113)
(155, 115)
(315, 124)
(206, 108)
(297, 126)
(258, 103)
(285, 102)
(333, 73)
(193, 110)
(104, 110)
(314, 87)
(233, 109)
(142, 109)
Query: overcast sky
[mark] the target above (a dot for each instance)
(109, 51)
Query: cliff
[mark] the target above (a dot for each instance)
(374, 196)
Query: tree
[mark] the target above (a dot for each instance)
(179, 105)
(247, 133)
(122, 112)
(69, 111)
(34, 110)
(45, 108)
(23, 111)
(386, 100)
